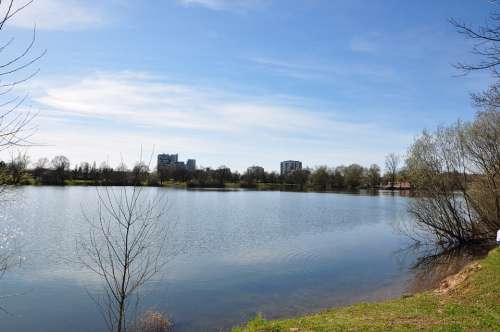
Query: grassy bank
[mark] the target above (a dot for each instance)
(468, 301)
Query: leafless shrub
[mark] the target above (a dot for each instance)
(153, 321)
(456, 172)
(124, 247)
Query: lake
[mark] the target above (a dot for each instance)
(243, 252)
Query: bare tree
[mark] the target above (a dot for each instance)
(15, 124)
(437, 167)
(481, 141)
(124, 247)
(61, 165)
(456, 170)
(487, 43)
(15, 129)
(392, 162)
(17, 167)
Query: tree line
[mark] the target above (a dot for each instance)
(57, 171)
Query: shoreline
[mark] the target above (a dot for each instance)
(227, 187)
(466, 301)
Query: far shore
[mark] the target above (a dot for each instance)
(225, 186)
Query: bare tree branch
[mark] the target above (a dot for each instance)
(125, 247)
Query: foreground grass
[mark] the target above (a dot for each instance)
(473, 304)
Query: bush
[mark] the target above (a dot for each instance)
(153, 321)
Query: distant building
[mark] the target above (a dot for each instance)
(179, 164)
(172, 160)
(289, 166)
(404, 185)
(167, 160)
(255, 170)
(191, 165)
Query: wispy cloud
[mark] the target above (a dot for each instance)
(127, 109)
(309, 70)
(60, 15)
(138, 99)
(237, 5)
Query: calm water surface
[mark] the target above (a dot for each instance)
(244, 252)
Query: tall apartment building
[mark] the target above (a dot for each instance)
(191, 165)
(288, 166)
(172, 160)
(167, 159)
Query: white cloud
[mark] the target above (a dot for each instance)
(140, 100)
(312, 70)
(106, 116)
(224, 4)
(60, 15)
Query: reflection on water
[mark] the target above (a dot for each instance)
(243, 253)
(10, 257)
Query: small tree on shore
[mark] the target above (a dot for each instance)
(123, 247)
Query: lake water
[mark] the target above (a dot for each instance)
(244, 252)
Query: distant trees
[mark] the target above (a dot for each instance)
(40, 167)
(392, 162)
(17, 168)
(373, 176)
(299, 178)
(321, 178)
(140, 173)
(60, 165)
(164, 173)
(248, 180)
(337, 177)
(353, 176)
(222, 175)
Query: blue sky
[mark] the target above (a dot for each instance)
(246, 82)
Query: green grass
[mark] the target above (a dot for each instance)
(79, 182)
(472, 305)
(174, 184)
